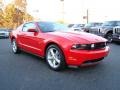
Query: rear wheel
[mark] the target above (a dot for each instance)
(55, 58)
(109, 37)
(15, 48)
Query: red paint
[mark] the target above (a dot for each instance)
(36, 42)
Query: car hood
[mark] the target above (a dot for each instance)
(79, 37)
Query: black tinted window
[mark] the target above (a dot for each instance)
(51, 26)
(118, 23)
(110, 23)
(93, 24)
(3, 29)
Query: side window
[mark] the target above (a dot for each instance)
(118, 23)
(28, 26)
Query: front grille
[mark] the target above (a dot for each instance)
(93, 61)
(117, 30)
(99, 45)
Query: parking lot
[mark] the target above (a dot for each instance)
(27, 72)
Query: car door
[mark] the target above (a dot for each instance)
(95, 28)
(29, 40)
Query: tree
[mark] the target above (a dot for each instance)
(14, 16)
(1, 18)
(1, 13)
(28, 17)
(9, 15)
(21, 5)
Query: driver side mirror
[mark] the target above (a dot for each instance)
(32, 30)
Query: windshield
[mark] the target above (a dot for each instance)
(78, 25)
(51, 26)
(110, 23)
(3, 30)
(93, 24)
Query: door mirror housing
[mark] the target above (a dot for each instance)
(32, 30)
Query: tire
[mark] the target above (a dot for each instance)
(55, 58)
(109, 37)
(15, 48)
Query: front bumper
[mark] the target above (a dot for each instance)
(79, 57)
(116, 37)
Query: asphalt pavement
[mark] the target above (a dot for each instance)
(28, 72)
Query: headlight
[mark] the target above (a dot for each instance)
(91, 46)
(80, 46)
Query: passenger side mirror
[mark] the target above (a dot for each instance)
(32, 30)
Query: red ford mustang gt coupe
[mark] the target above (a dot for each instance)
(58, 45)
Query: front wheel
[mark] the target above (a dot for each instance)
(15, 48)
(55, 58)
(109, 37)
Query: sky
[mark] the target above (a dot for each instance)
(74, 10)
